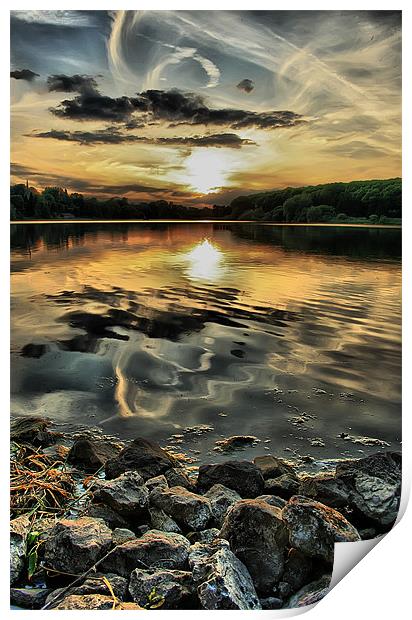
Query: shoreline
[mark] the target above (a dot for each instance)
(208, 221)
(161, 536)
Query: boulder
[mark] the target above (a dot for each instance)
(92, 455)
(143, 456)
(325, 489)
(205, 536)
(154, 549)
(121, 535)
(161, 521)
(284, 486)
(157, 482)
(189, 510)
(309, 594)
(240, 476)
(126, 494)
(273, 500)
(374, 486)
(96, 584)
(223, 581)
(314, 528)
(298, 569)
(177, 477)
(271, 602)
(273, 467)
(93, 601)
(174, 588)
(75, 545)
(258, 537)
(221, 498)
(32, 430)
(29, 598)
(112, 518)
(19, 529)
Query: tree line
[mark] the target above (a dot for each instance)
(377, 201)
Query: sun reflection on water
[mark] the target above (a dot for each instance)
(205, 262)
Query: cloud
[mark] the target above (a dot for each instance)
(172, 106)
(72, 83)
(246, 85)
(24, 74)
(112, 135)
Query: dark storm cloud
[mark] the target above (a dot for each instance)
(112, 136)
(246, 85)
(24, 74)
(72, 83)
(171, 106)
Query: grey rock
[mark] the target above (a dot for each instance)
(121, 535)
(73, 546)
(374, 485)
(273, 500)
(258, 537)
(19, 528)
(223, 581)
(93, 601)
(188, 509)
(32, 430)
(314, 528)
(325, 489)
(177, 477)
(91, 455)
(154, 549)
(126, 494)
(95, 584)
(271, 602)
(309, 594)
(29, 598)
(157, 482)
(111, 518)
(298, 569)
(273, 467)
(205, 536)
(173, 586)
(221, 498)
(161, 521)
(284, 486)
(143, 456)
(240, 476)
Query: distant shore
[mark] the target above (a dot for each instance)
(208, 221)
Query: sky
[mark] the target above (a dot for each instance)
(198, 107)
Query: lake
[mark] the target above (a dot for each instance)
(188, 333)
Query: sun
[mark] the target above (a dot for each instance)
(208, 169)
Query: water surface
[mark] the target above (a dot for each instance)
(190, 332)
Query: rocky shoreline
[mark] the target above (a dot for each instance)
(96, 524)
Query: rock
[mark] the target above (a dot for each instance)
(374, 485)
(19, 528)
(121, 535)
(273, 500)
(126, 494)
(283, 589)
(221, 498)
(283, 486)
(314, 528)
(240, 476)
(93, 601)
(95, 584)
(161, 521)
(173, 586)
(189, 510)
(154, 549)
(112, 518)
(298, 569)
(273, 467)
(258, 537)
(91, 455)
(32, 430)
(235, 442)
(271, 602)
(223, 581)
(309, 594)
(143, 456)
(73, 546)
(368, 533)
(206, 536)
(158, 482)
(29, 598)
(177, 477)
(325, 489)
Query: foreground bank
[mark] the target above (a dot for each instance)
(102, 525)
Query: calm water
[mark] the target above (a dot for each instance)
(290, 334)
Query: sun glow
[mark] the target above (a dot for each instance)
(208, 169)
(205, 262)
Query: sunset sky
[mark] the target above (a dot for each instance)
(199, 107)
